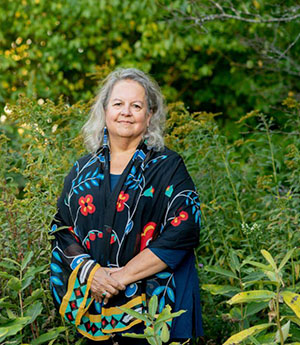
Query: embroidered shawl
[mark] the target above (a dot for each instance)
(154, 205)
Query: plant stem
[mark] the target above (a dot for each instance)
(20, 295)
(271, 150)
(236, 197)
(233, 188)
(278, 316)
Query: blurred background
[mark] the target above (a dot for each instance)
(228, 59)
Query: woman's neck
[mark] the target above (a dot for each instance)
(120, 154)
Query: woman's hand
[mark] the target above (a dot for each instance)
(143, 265)
(104, 286)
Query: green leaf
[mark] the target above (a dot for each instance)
(258, 264)
(239, 337)
(221, 271)
(34, 296)
(135, 314)
(4, 304)
(11, 315)
(165, 334)
(165, 314)
(215, 289)
(153, 305)
(26, 282)
(13, 327)
(272, 276)
(292, 300)
(26, 260)
(9, 266)
(53, 334)
(253, 308)
(134, 335)
(12, 261)
(234, 260)
(33, 311)
(286, 258)
(252, 296)
(3, 332)
(32, 271)
(285, 332)
(294, 319)
(5, 275)
(269, 258)
(14, 284)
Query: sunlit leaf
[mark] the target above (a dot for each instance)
(239, 337)
(252, 296)
(269, 258)
(292, 300)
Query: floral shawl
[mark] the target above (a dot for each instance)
(154, 205)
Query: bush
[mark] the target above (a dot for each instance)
(250, 201)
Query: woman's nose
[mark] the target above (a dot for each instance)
(126, 110)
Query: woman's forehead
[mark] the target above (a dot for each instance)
(129, 89)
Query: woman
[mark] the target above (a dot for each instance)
(127, 221)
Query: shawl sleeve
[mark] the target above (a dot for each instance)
(72, 268)
(181, 219)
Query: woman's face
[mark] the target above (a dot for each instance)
(126, 113)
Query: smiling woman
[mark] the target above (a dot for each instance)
(127, 220)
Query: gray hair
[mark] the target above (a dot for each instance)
(93, 130)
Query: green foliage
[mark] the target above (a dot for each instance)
(250, 202)
(156, 331)
(274, 295)
(65, 47)
(36, 144)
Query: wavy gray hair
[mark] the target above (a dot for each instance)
(93, 130)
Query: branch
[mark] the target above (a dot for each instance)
(230, 12)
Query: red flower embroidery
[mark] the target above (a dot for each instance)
(112, 239)
(70, 228)
(87, 205)
(147, 234)
(182, 216)
(121, 201)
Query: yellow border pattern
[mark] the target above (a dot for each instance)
(67, 296)
(83, 309)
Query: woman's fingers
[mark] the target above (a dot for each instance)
(104, 286)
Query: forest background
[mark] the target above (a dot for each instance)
(229, 71)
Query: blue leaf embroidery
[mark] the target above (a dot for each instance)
(97, 307)
(88, 174)
(55, 280)
(95, 172)
(163, 275)
(95, 182)
(87, 185)
(171, 294)
(161, 304)
(55, 268)
(158, 290)
(56, 295)
(129, 227)
(56, 256)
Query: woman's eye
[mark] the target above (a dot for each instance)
(117, 104)
(136, 106)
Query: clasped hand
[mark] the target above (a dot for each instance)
(104, 286)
